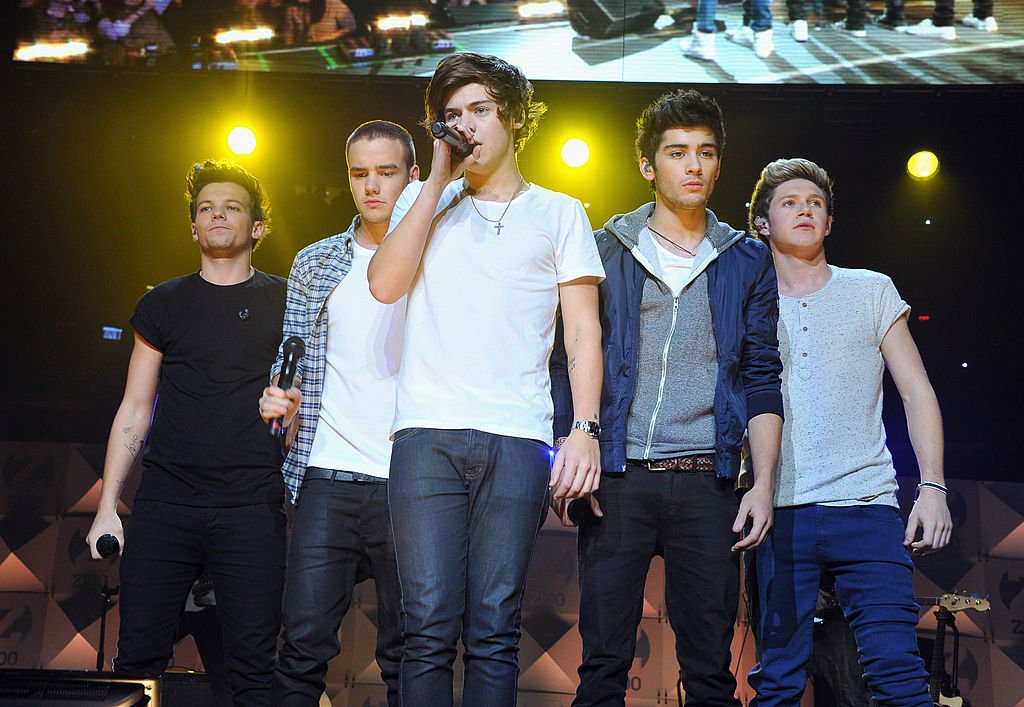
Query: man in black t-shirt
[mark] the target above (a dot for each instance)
(211, 491)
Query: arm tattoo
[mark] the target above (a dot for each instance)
(133, 445)
(572, 364)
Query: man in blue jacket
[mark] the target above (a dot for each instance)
(689, 312)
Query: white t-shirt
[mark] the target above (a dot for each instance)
(833, 440)
(364, 348)
(481, 310)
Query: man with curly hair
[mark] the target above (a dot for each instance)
(486, 259)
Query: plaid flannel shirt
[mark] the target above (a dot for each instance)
(317, 270)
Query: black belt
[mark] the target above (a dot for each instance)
(693, 462)
(315, 472)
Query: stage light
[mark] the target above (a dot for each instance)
(242, 140)
(922, 165)
(532, 10)
(575, 152)
(44, 51)
(390, 22)
(255, 34)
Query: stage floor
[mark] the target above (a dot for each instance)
(554, 51)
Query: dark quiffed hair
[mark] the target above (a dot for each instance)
(506, 83)
(216, 171)
(779, 172)
(685, 108)
(375, 129)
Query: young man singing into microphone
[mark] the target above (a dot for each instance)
(486, 259)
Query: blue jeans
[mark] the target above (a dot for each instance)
(341, 535)
(862, 546)
(466, 507)
(687, 518)
(760, 15)
(166, 548)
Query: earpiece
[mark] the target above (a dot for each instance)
(761, 224)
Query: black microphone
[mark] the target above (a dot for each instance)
(454, 138)
(107, 545)
(294, 350)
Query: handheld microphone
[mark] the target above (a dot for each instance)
(107, 545)
(454, 138)
(294, 349)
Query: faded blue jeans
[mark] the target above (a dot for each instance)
(466, 507)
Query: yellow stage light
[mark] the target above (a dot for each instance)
(44, 51)
(922, 165)
(242, 140)
(541, 9)
(255, 34)
(575, 152)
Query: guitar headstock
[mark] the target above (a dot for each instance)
(958, 601)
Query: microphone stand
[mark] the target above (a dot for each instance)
(107, 593)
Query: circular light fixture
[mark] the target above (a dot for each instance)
(242, 140)
(922, 165)
(575, 152)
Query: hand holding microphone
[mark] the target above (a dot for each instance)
(454, 138)
(294, 349)
(107, 545)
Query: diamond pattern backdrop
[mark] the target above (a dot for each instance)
(51, 603)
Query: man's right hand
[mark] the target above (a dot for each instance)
(276, 403)
(105, 525)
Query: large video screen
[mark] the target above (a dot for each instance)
(698, 41)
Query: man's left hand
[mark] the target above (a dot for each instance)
(576, 470)
(930, 515)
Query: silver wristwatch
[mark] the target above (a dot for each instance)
(591, 427)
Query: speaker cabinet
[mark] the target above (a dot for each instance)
(602, 19)
(77, 688)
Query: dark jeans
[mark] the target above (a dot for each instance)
(167, 546)
(204, 627)
(341, 535)
(687, 518)
(862, 547)
(942, 15)
(466, 507)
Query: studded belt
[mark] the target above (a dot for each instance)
(693, 462)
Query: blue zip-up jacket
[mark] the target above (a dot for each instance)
(744, 298)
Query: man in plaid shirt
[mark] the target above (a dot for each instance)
(336, 469)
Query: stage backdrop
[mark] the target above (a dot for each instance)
(51, 602)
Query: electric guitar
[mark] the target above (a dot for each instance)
(948, 604)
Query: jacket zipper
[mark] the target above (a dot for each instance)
(664, 375)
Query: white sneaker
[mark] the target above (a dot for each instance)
(841, 26)
(986, 25)
(925, 28)
(701, 46)
(798, 29)
(744, 36)
(763, 44)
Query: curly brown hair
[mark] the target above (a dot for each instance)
(505, 83)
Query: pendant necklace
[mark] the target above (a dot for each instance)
(497, 222)
(691, 253)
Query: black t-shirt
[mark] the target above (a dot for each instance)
(208, 445)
